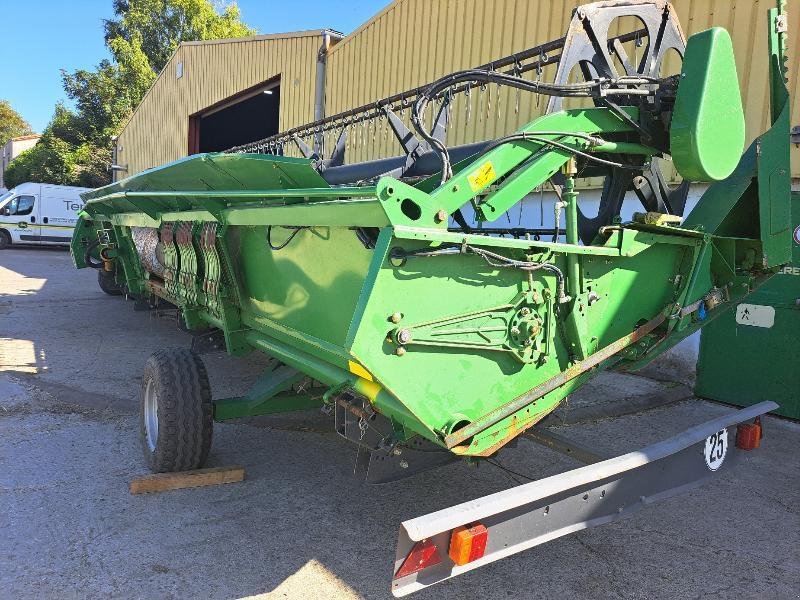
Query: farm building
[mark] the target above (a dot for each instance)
(12, 149)
(218, 94)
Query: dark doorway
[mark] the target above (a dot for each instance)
(237, 122)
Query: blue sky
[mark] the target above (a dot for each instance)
(44, 36)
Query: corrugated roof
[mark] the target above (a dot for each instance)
(267, 36)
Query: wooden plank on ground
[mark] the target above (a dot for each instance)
(161, 482)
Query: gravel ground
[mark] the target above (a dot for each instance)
(301, 526)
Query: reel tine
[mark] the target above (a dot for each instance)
(337, 156)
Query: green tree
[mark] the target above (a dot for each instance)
(76, 146)
(51, 160)
(101, 99)
(158, 26)
(11, 123)
(67, 126)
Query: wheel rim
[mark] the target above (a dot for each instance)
(151, 415)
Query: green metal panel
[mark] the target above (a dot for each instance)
(447, 385)
(707, 133)
(744, 364)
(309, 289)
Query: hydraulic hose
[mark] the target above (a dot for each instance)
(576, 90)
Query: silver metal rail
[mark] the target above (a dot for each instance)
(534, 513)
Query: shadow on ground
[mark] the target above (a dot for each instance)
(301, 526)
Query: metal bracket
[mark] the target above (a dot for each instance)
(272, 393)
(337, 156)
(304, 148)
(418, 455)
(781, 23)
(411, 144)
(380, 458)
(206, 343)
(522, 327)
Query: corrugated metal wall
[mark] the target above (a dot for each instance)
(412, 42)
(158, 130)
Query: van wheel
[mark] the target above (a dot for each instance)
(5, 239)
(176, 422)
(108, 284)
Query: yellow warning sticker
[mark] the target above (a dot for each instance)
(357, 369)
(482, 176)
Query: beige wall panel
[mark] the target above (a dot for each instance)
(412, 42)
(158, 130)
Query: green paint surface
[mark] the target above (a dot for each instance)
(438, 342)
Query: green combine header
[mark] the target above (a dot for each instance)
(391, 293)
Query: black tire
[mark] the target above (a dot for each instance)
(185, 424)
(5, 239)
(108, 284)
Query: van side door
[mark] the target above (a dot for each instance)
(59, 217)
(24, 214)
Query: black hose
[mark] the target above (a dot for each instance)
(87, 256)
(286, 243)
(575, 90)
(368, 236)
(491, 258)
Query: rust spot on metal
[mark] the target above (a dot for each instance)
(353, 409)
(160, 291)
(513, 430)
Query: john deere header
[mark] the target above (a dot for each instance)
(426, 328)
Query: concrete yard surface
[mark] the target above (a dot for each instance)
(300, 525)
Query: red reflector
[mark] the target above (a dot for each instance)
(468, 543)
(424, 554)
(748, 435)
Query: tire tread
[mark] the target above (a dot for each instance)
(185, 416)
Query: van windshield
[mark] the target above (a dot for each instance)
(5, 197)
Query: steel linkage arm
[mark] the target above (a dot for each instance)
(515, 167)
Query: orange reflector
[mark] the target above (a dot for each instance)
(424, 554)
(748, 435)
(468, 543)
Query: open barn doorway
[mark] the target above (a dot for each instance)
(240, 119)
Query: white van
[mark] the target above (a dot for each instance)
(39, 213)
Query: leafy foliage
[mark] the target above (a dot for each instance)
(75, 148)
(11, 123)
(51, 160)
(158, 26)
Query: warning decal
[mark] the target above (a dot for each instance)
(755, 315)
(482, 176)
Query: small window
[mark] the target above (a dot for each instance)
(21, 205)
